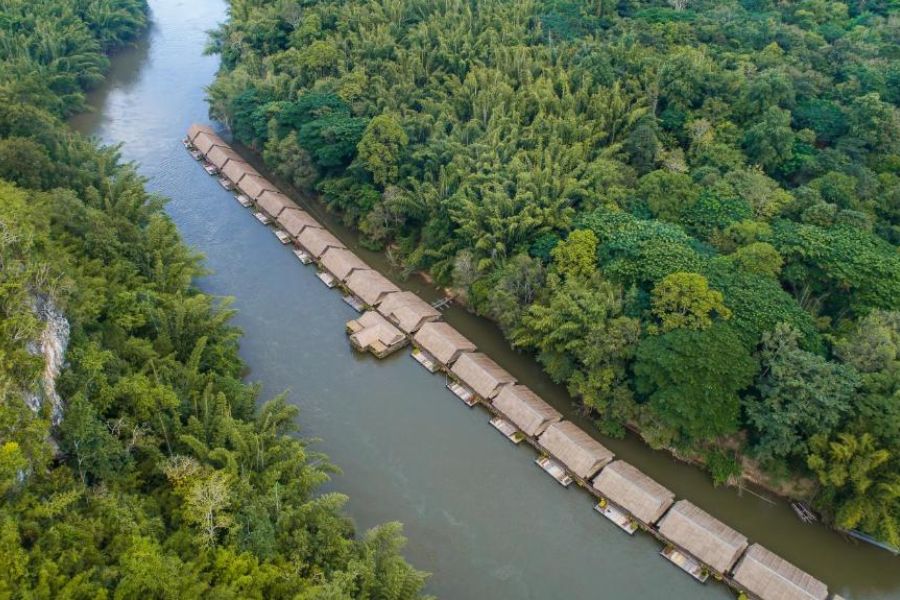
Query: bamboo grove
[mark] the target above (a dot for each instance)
(162, 478)
(688, 211)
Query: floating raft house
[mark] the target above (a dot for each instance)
(295, 221)
(373, 333)
(575, 449)
(767, 576)
(525, 409)
(481, 374)
(709, 540)
(235, 170)
(369, 286)
(220, 156)
(255, 185)
(442, 342)
(407, 311)
(341, 262)
(317, 241)
(196, 129)
(275, 203)
(205, 142)
(635, 492)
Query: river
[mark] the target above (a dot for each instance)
(478, 513)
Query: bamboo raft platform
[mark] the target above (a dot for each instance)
(684, 562)
(554, 469)
(302, 256)
(804, 512)
(243, 200)
(426, 361)
(617, 516)
(210, 169)
(186, 142)
(226, 184)
(462, 392)
(262, 218)
(327, 278)
(354, 302)
(283, 237)
(507, 429)
(195, 154)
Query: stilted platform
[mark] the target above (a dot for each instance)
(687, 564)
(462, 392)
(619, 517)
(195, 154)
(302, 256)
(225, 184)
(554, 469)
(243, 200)
(425, 360)
(507, 429)
(283, 237)
(210, 169)
(357, 304)
(264, 219)
(327, 278)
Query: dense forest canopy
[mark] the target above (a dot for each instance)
(689, 210)
(158, 477)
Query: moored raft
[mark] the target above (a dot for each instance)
(407, 311)
(626, 487)
(317, 241)
(479, 373)
(442, 343)
(702, 536)
(767, 576)
(575, 449)
(554, 469)
(341, 262)
(525, 409)
(507, 429)
(373, 333)
(370, 286)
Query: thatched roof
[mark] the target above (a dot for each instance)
(255, 185)
(274, 203)
(235, 170)
(525, 409)
(317, 241)
(708, 539)
(635, 492)
(482, 374)
(442, 342)
(374, 330)
(204, 142)
(581, 453)
(340, 262)
(370, 286)
(770, 577)
(221, 155)
(196, 129)
(295, 221)
(408, 311)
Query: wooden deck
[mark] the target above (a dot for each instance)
(617, 516)
(462, 392)
(302, 256)
(186, 143)
(327, 278)
(554, 469)
(425, 360)
(210, 169)
(507, 429)
(195, 154)
(283, 237)
(225, 183)
(262, 218)
(689, 565)
(243, 200)
(357, 304)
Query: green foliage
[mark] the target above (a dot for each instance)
(163, 479)
(380, 147)
(685, 300)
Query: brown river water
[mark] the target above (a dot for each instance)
(479, 514)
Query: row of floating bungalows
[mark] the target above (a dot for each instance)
(694, 540)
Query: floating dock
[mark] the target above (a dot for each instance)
(354, 302)
(425, 360)
(243, 200)
(554, 469)
(302, 256)
(282, 236)
(327, 278)
(210, 169)
(507, 429)
(462, 392)
(262, 218)
(225, 184)
(684, 562)
(619, 517)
